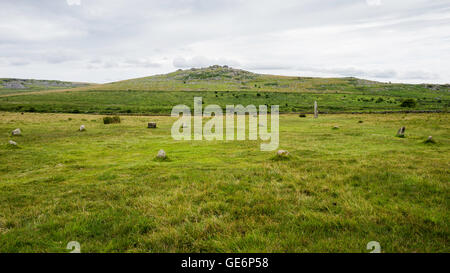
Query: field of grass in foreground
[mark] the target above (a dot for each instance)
(339, 190)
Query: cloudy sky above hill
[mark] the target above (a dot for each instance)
(109, 40)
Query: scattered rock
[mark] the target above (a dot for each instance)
(12, 143)
(14, 85)
(17, 132)
(152, 125)
(430, 140)
(282, 153)
(82, 128)
(401, 132)
(161, 154)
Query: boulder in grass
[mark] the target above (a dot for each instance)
(16, 132)
(13, 143)
(151, 125)
(82, 128)
(401, 132)
(430, 140)
(161, 154)
(282, 153)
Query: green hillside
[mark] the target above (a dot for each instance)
(223, 85)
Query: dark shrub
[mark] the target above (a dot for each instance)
(302, 115)
(411, 103)
(109, 119)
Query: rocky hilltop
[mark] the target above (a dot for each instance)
(11, 83)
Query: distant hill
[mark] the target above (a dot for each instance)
(221, 85)
(12, 85)
(224, 78)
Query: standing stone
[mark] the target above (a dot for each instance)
(401, 132)
(161, 154)
(12, 143)
(16, 132)
(316, 111)
(82, 128)
(152, 125)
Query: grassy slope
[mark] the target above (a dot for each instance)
(340, 189)
(219, 85)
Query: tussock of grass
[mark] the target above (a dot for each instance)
(162, 159)
(280, 158)
(111, 120)
(12, 147)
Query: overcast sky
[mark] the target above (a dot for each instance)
(109, 40)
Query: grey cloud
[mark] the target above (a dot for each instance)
(19, 63)
(353, 72)
(142, 62)
(133, 38)
(419, 74)
(201, 61)
(122, 63)
(268, 66)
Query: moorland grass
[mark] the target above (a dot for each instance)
(339, 189)
(162, 102)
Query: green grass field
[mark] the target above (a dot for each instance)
(338, 190)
